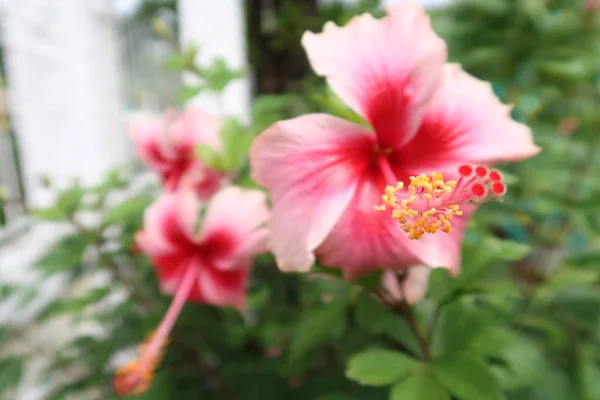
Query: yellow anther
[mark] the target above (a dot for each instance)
(411, 206)
(390, 190)
(447, 227)
(425, 185)
(136, 377)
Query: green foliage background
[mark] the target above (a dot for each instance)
(521, 321)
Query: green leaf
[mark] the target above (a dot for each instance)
(184, 60)
(505, 250)
(458, 326)
(185, 93)
(259, 298)
(441, 285)
(236, 144)
(128, 210)
(380, 367)
(490, 7)
(7, 289)
(572, 70)
(420, 386)
(48, 214)
(337, 107)
(318, 326)
(560, 23)
(268, 109)
(577, 305)
(218, 75)
(335, 396)
(333, 272)
(64, 256)
(246, 182)
(483, 55)
(209, 156)
(69, 199)
(77, 305)
(482, 253)
(11, 370)
(373, 317)
(112, 180)
(176, 62)
(190, 52)
(589, 380)
(524, 363)
(161, 28)
(370, 281)
(467, 377)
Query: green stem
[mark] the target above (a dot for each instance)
(433, 324)
(2, 211)
(404, 307)
(414, 327)
(14, 145)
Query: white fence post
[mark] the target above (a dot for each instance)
(218, 29)
(63, 76)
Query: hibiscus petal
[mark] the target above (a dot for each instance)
(467, 123)
(195, 126)
(170, 270)
(168, 224)
(224, 288)
(310, 165)
(444, 249)
(364, 239)
(146, 131)
(201, 180)
(386, 70)
(256, 242)
(188, 213)
(412, 288)
(236, 210)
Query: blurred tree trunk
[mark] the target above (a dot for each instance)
(275, 28)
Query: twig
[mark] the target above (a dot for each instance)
(406, 310)
(132, 286)
(412, 323)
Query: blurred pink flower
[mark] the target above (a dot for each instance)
(166, 145)
(325, 174)
(204, 259)
(412, 287)
(592, 5)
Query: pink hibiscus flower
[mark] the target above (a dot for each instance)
(412, 288)
(166, 145)
(325, 174)
(206, 265)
